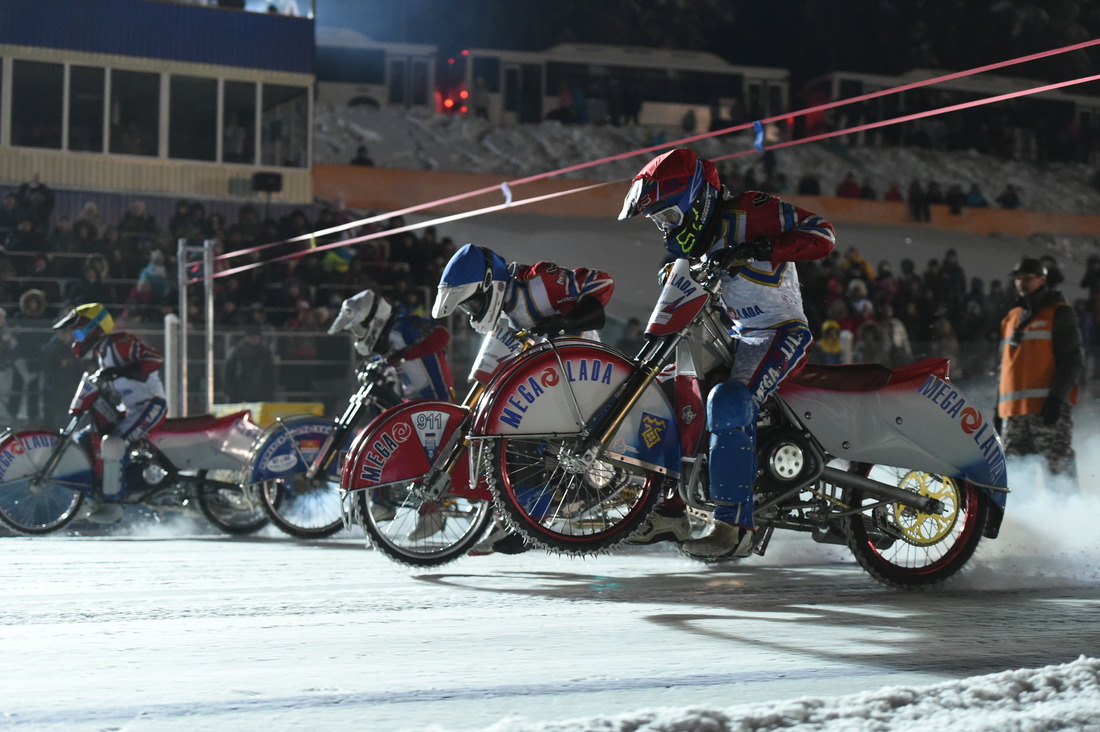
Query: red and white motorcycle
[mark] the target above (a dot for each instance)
(578, 440)
(407, 475)
(46, 475)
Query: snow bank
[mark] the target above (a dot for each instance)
(1059, 697)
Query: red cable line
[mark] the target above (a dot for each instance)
(311, 237)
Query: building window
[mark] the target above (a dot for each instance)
(285, 126)
(239, 132)
(36, 97)
(87, 85)
(135, 113)
(193, 118)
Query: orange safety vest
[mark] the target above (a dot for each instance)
(1028, 368)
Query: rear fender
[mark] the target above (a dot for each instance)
(206, 442)
(914, 419)
(537, 394)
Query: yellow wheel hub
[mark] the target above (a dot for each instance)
(918, 527)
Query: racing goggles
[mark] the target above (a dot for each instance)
(667, 219)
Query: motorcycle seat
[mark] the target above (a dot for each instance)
(202, 422)
(867, 376)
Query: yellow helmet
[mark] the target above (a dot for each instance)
(88, 323)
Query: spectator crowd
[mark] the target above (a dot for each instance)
(53, 260)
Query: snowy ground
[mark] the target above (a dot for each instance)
(173, 627)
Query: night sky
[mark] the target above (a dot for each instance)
(808, 37)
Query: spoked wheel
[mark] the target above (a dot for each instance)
(903, 547)
(304, 508)
(234, 509)
(422, 533)
(562, 506)
(33, 505)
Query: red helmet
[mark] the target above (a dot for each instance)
(89, 323)
(677, 191)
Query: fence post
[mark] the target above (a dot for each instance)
(171, 363)
(208, 282)
(181, 284)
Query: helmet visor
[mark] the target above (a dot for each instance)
(667, 219)
(475, 306)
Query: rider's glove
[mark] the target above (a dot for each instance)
(109, 374)
(129, 371)
(1052, 408)
(552, 326)
(738, 255)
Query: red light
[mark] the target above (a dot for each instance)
(465, 52)
(451, 61)
(448, 103)
(464, 94)
(462, 109)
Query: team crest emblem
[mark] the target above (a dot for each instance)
(652, 429)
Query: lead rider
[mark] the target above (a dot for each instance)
(754, 237)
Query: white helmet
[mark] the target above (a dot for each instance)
(475, 280)
(366, 315)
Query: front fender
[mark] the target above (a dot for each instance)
(402, 443)
(288, 447)
(560, 390)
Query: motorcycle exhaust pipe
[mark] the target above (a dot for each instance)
(882, 490)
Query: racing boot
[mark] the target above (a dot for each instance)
(662, 524)
(99, 512)
(499, 540)
(726, 541)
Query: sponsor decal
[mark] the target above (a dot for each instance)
(652, 429)
(280, 454)
(16, 448)
(970, 420)
(529, 391)
(429, 426)
(622, 448)
(281, 463)
(688, 415)
(685, 285)
(760, 199)
(751, 311)
(375, 456)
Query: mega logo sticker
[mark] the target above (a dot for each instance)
(969, 418)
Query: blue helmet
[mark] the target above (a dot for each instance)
(474, 280)
(678, 191)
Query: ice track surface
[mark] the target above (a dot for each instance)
(209, 632)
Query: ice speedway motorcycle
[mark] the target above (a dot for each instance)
(576, 441)
(46, 475)
(407, 474)
(294, 469)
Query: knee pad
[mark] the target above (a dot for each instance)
(730, 406)
(112, 447)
